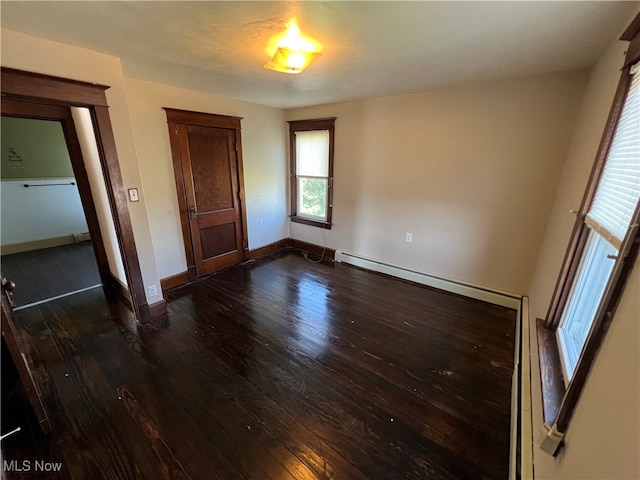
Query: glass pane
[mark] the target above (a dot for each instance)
(312, 197)
(312, 153)
(584, 299)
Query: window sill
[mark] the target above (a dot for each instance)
(313, 223)
(553, 389)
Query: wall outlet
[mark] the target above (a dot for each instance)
(153, 290)
(408, 237)
(260, 222)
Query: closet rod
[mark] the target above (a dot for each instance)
(26, 185)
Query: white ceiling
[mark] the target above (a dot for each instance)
(370, 48)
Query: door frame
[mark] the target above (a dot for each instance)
(36, 111)
(45, 90)
(177, 117)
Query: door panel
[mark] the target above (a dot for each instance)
(218, 240)
(210, 151)
(209, 163)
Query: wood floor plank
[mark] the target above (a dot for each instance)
(463, 428)
(277, 368)
(83, 406)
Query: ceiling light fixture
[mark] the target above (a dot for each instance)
(294, 52)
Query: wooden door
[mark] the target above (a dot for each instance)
(20, 356)
(211, 176)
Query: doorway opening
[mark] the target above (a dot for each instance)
(47, 248)
(22, 89)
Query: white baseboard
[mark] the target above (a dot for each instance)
(521, 399)
(468, 290)
(526, 411)
(37, 244)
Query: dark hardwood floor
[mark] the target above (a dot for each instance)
(276, 369)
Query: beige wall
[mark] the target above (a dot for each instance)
(603, 440)
(34, 54)
(470, 171)
(142, 141)
(88, 144)
(476, 206)
(264, 159)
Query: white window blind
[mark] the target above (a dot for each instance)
(618, 190)
(312, 155)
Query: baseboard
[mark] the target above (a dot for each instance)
(328, 255)
(12, 248)
(144, 313)
(158, 309)
(526, 410)
(120, 290)
(183, 278)
(331, 255)
(268, 249)
(174, 281)
(468, 290)
(516, 398)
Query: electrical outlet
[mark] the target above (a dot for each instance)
(260, 222)
(153, 290)
(408, 237)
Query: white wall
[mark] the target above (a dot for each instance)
(470, 170)
(264, 159)
(26, 52)
(38, 213)
(603, 439)
(52, 212)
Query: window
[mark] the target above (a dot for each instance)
(596, 266)
(607, 222)
(311, 149)
(600, 256)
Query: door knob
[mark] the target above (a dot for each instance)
(8, 285)
(193, 213)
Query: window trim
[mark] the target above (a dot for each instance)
(306, 126)
(559, 402)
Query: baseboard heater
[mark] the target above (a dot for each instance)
(472, 291)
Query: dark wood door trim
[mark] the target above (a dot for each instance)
(175, 118)
(14, 108)
(53, 90)
(22, 359)
(49, 90)
(122, 220)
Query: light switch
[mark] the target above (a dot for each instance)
(133, 195)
